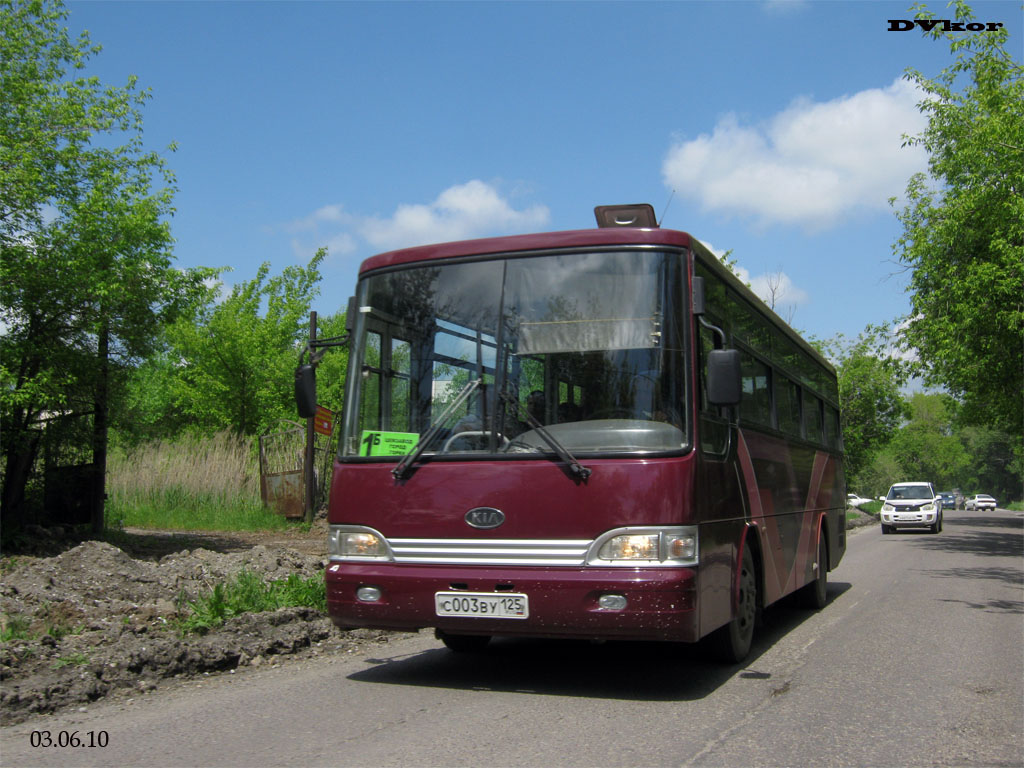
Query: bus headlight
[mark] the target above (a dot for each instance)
(635, 547)
(645, 546)
(355, 542)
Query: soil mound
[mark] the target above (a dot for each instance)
(94, 621)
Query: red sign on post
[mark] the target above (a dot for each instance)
(323, 422)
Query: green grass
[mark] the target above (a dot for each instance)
(78, 659)
(49, 620)
(14, 627)
(248, 593)
(193, 483)
(190, 513)
(1015, 506)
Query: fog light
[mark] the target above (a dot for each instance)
(368, 594)
(612, 602)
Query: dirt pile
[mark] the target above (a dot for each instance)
(94, 621)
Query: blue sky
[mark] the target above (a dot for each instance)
(774, 127)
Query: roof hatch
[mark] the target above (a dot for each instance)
(637, 215)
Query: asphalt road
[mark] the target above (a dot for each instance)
(918, 660)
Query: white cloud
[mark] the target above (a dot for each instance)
(808, 165)
(473, 209)
(328, 214)
(326, 226)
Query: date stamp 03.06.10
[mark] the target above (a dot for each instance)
(68, 739)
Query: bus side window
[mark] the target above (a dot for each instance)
(812, 418)
(833, 434)
(370, 405)
(399, 374)
(787, 406)
(756, 406)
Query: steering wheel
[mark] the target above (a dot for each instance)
(469, 433)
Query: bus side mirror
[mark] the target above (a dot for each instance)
(724, 387)
(305, 391)
(350, 315)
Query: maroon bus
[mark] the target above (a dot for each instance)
(589, 434)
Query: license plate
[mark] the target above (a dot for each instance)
(491, 605)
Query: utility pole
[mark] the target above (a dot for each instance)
(309, 460)
(100, 429)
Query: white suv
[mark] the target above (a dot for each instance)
(912, 505)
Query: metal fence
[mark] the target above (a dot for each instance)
(282, 477)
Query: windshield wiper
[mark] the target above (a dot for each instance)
(563, 453)
(402, 468)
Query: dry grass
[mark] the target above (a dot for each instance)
(193, 483)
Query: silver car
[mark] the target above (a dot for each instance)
(980, 501)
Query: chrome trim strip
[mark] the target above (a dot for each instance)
(501, 552)
(538, 552)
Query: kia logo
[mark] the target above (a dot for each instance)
(485, 517)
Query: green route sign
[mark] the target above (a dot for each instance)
(377, 443)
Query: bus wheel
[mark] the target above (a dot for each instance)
(814, 594)
(463, 643)
(732, 642)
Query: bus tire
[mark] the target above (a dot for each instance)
(814, 595)
(731, 643)
(463, 643)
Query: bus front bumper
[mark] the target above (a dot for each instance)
(656, 603)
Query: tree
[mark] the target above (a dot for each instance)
(926, 448)
(86, 280)
(994, 468)
(775, 289)
(963, 237)
(237, 360)
(879, 473)
(932, 446)
(871, 406)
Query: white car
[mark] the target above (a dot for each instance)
(980, 501)
(853, 500)
(911, 505)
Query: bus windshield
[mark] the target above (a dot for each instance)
(587, 346)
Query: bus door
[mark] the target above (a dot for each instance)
(385, 404)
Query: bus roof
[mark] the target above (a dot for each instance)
(580, 238)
